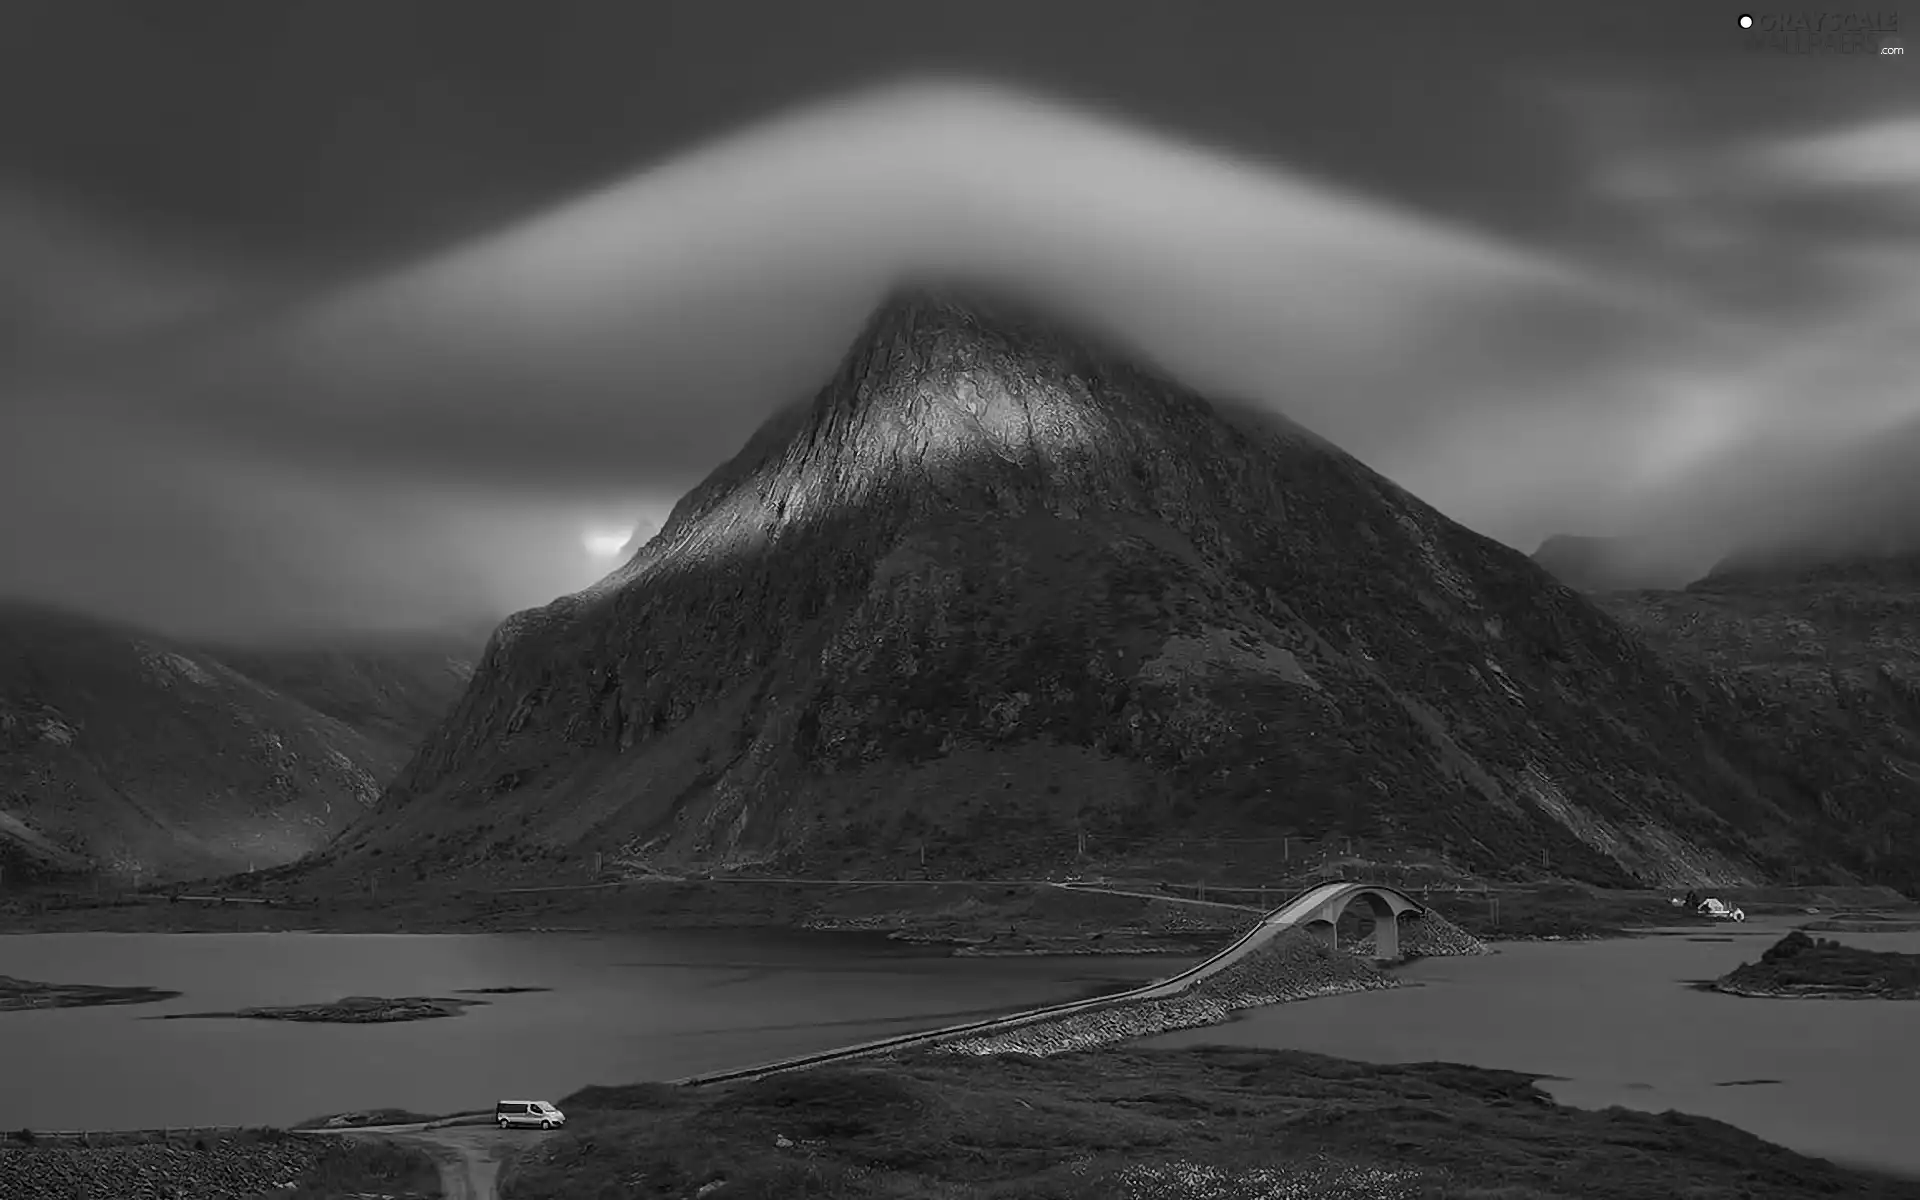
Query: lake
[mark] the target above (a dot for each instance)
(1615, 1021)
(655, 1005)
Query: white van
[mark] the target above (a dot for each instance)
(1719, 910)
(529, 1114)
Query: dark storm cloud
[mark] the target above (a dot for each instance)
(68, 282)
(452, 289)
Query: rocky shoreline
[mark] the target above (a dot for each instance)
(1808, 992)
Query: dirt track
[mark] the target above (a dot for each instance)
(470, 1157)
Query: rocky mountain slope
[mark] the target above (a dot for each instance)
(1819, 661)
(129, 753)
(999, 587)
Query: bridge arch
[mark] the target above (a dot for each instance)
(1321, 912)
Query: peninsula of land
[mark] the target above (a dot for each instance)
(1798, 966)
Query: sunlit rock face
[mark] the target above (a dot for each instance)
(999, 586)
(128, 754)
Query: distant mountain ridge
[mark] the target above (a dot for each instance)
(1610, 564)
(999, 585)
(127, 752)
(1898, 564)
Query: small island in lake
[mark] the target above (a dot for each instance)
(26, 993)
(353, 1010)
(1805, 967)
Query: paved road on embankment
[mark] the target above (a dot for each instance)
(470, 1152)
(1269, 926)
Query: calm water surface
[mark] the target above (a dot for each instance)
(1616, 1022)
(1613, 1020)
(623, 1008)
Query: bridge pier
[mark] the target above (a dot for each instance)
(1386, 934)
(1385, 905)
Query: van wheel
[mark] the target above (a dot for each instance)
(546, 1124)
(503, 1122)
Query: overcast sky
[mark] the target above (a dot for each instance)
(364, 314)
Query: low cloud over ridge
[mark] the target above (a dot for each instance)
(602, 356)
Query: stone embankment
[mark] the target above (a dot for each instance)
(226, 1169)
(1294, 965)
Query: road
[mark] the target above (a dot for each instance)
(470, 1152)
(469, 1156)
(1264, 930)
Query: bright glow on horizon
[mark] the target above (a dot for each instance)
(603, 544)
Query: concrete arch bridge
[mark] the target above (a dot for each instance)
(1318, 909)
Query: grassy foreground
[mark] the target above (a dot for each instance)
(365, 1170)
(1129, 1124)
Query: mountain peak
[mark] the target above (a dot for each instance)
(955, 397)
(958, 301)
(998, 585)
